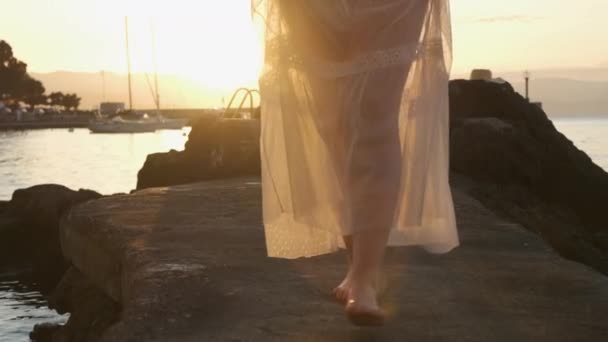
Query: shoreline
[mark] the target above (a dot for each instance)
(5, 126)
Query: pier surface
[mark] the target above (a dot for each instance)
(188, 263)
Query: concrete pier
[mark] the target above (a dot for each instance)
(188, 263)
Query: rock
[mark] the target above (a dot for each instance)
(30, 228)
(602, 241)
(215, 149)
(43, 205)
(10, 235)
(162, 169)
(524, 168)
(188, 263)
(91, 311)
(44, 332)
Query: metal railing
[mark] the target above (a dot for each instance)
(230, 113)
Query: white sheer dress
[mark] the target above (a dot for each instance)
(355, 123)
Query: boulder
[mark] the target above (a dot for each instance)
(525, 168)
(91, 311)
(10, 234)
(173, 167)
(29, 228)
(216, 148)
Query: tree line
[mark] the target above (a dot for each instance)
(17, 86)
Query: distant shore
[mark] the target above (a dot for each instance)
(82, 120)
(18, 125)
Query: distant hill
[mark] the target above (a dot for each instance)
(175, 92)
(567, 97)
(564, 92)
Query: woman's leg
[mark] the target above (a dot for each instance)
(341, 291)
(373, 178)
(369, 249)
(348, 242)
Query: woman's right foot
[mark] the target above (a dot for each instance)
(342, 290)
(362, 307)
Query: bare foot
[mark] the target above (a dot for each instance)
(362, 307)
(341, 291)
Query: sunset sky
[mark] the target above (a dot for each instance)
(209, 41)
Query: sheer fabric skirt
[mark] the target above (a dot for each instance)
(355, 123)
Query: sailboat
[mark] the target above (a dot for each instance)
(143, 123)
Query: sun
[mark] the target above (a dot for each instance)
(213, 43)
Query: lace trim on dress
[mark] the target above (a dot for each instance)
(363, 63)
(360, 64)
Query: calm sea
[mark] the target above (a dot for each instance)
(589, 135)
(22, 306)
(109, 164)
(77, 159)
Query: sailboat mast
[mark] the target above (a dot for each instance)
(128, 63)
(156, 94)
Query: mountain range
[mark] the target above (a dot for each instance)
(175, 91)
(563, 92)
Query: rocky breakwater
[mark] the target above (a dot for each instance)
(518, 164)
(29, 230)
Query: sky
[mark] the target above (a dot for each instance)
(211, 41)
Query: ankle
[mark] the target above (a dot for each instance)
(362, 285)
(364, 279)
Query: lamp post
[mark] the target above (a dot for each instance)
(527, 78)
(128, 63)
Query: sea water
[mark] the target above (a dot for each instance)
(589, 135)
(107, 163)
(22, 306)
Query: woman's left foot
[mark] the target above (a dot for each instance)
(341, 291)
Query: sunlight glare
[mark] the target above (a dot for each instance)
(210, 42)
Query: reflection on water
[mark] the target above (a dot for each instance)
(589, 135)
(107, 163)
(21, 307)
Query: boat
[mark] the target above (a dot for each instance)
(162, 123)
(120, 125)
(146, 124)
(130, 121)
